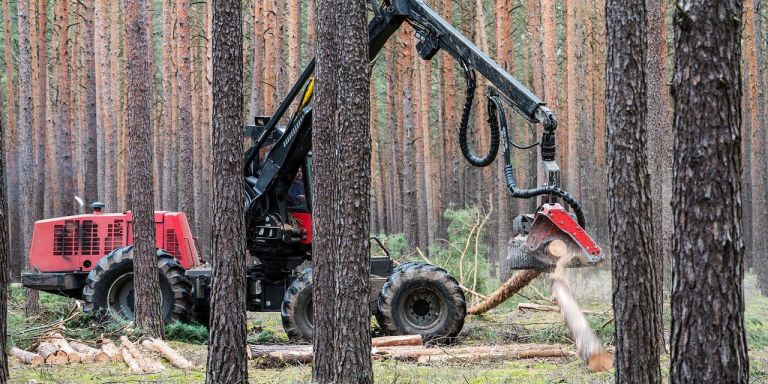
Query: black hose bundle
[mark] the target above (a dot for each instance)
(498, 122)
(493, 149)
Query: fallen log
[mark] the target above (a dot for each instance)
(52, 354)
(491, 355)
(549, 308)
(393, 341)
(26, 357)
(111, 350)
(89, 354)
(515, 283)
(159, 346)
(280, 355)
(147, 365)
(414, 354)
(58, 340)
(130, 361)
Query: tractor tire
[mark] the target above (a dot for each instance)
(422, 299)
(108, 292)
(296, 310)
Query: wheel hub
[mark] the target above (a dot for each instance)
(422, 308)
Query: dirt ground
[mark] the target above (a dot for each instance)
(502, 326)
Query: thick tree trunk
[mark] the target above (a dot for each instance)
(227, 359)
(342, 156)
(147, 285)
(707, 289)
(634, 264)
(761, 259)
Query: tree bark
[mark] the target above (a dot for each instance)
(342, 156)
(761, 260)
(63, 126)
(550, 61)
(409, 182)
(294, 48)
(257, 75)
(185, 127)
(147, 285)
(707, 289)
(89, 129)
(634, 265)
(4, 241)
(170, 108)
(227, 359)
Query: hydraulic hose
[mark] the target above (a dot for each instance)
(493, 149)
(498, 123)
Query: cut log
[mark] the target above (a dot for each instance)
(515, 283)
(52, 354)
(89, 354)
(558, 248)
(111, 350)
(159, 346)
(549, 308)
(414, 354)
(146, 364)
(393, 341)
(63, 345)
(130, 361)
(26, 357)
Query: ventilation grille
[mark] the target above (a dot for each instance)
(90, 238)
(172, 243)
(114, 236)
(65, 238)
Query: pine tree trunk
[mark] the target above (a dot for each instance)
(270, 79)
(425, 80)
(186, 127)
(255, 106)
(40, 113)
(294, 48)
(396, 160)
(549, 61)
(409, 179)
(227, 359)
(63, 127)
(450, 109)
(281, 78)
(89, 139)
(707, 289)
(634, 266)
(755, 130)
(4, 242)
(659, 148)
(15, 251)
(147, 285)
(170, 108)
(761, 261)
(25, 150)
(341, 286)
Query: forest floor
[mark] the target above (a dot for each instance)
(502, 326)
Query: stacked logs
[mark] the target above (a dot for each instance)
(54, 349)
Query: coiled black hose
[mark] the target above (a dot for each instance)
(498, 123)
(493, 150)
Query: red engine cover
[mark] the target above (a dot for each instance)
(77, 243)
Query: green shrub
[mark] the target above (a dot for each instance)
(395, 243)
(187, 333)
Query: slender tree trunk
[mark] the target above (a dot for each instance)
(659, 148)
(425, 80)
(377, 170)
(227, 359)
(707, 288)
(634, 263)
(761, 260)
(186, 127)
(170, 108)
(270, 79)
(89, 139)
(550, 61)
(396, 187)
(341, 286)
(311, 27)
(26, 152)
(255, 106)
(294, 48)
(409, 180)
(147, 285)
(4, 242)
(40, 113)
(450, 108)
(15, 250)
(63, 127)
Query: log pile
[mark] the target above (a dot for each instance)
(54, 349)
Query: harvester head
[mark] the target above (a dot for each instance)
(551, 235)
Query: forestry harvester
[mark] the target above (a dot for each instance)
(90, 256)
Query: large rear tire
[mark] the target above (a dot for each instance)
(297, 311)
(108, 293)
(422, 299)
